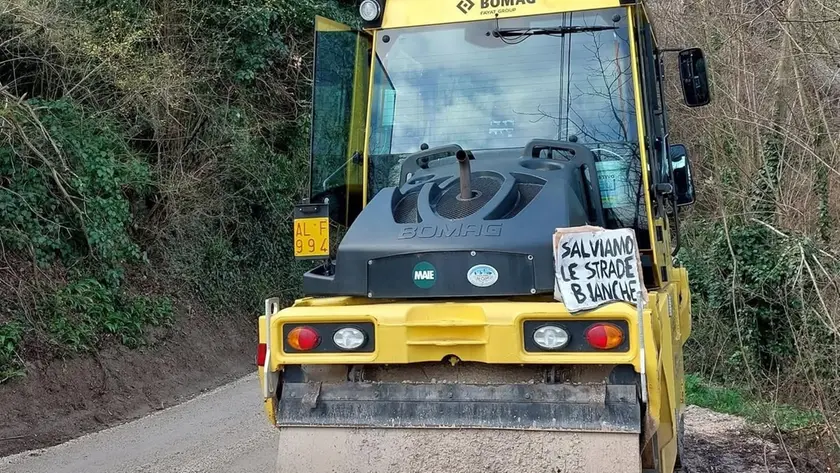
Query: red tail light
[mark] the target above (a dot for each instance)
(303, 338)
(604, 336)
(261, 354)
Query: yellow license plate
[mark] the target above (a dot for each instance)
(312, 237)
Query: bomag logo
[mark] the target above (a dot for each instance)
(466, 5)
(505, 3)
(450, 231)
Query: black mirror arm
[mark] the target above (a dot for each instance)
(677, 240)
(675, 199)
(667, 190)
(664, 188)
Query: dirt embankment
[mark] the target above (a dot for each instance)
(64, 399)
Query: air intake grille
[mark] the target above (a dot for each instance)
(484, 188)
(527, 193)
(406, 209)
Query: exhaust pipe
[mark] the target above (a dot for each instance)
(463, 158)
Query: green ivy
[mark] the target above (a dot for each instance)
(66, 178)
(86, 186)
(745, 278)
(82, 315)
(236, 259)
(69, 204)
(11, 364)
(251, 34)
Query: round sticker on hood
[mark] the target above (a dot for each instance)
(482, 275)
(424, 275)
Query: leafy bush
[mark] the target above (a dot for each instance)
(82, 314)
(736, 402)
(744, 276)
(172, 135)
(65, 179)
(11, 363)
(243, 253)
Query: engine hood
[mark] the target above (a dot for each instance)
(422, 240)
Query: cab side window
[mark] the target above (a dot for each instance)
(339, 109)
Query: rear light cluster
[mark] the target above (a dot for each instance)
(551, 337)
(329, 338)
(577, 336)
(262, 350)
(303, 339)
(604, 336)
(349, 338)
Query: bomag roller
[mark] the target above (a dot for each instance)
(451, 139)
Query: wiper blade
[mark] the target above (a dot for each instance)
(553, 31)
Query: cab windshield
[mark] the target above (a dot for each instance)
(498, 84)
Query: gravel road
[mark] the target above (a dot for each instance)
(222, 431)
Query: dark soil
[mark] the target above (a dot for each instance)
(63, 399)
(720, 443)
(727, 454)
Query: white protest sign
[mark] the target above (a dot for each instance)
(594, 266)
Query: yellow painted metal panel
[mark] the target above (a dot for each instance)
(681, 280)
(640, 123)
(270, 408)
(402, 13)
(488, 332)
(361, 90)
(484, 332)
(670, 352)
(652, 362)
(368, 131)
(325, 24)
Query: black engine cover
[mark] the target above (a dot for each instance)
(422, 240)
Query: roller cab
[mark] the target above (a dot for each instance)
(445, 326)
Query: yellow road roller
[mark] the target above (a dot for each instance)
(492, 216)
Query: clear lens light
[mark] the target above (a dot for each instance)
(551, 337)
(349, 338)
(369, 9)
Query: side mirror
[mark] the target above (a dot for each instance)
(695, 79)
(683, 181)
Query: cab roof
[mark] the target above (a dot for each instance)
(405, 13)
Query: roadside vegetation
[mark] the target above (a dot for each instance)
(741, 403)
(761, 242)
(150, 153)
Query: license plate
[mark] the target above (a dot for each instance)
(312, 237)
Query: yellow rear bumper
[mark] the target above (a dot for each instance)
(484, 332)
